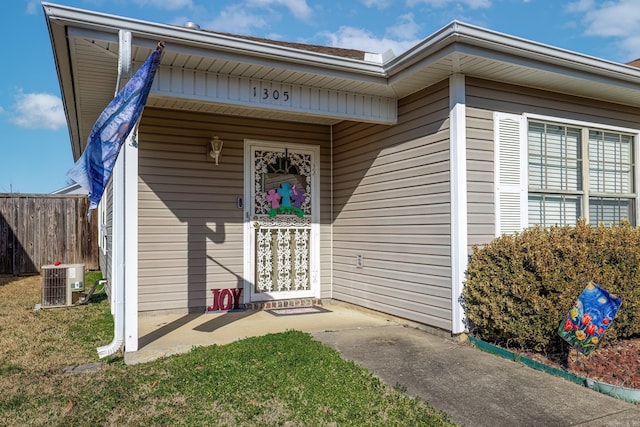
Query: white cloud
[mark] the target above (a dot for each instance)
(165, 4)
(580, 6)
(358, 38)
(405, 29)
(32, 7)
(298, 8)
(616, 19)
(38, 111)
(398, 38)
(380, 4)
(243, 18)
(473, 4)
(236, 19)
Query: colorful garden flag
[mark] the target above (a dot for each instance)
(589, 318)
(93, 169)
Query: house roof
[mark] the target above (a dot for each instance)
(86, 48)
(634, 63)
(71, 189)
(329, 50)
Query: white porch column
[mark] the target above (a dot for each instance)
(130, 152)
(458, 179)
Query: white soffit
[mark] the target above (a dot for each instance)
(218, 73)
(478, 52)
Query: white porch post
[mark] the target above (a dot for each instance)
(458, 179)
(130, 152)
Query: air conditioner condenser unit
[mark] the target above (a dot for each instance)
(62, 285)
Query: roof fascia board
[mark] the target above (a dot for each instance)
(511, 49)
(560, 68)
(534, 50)
(148, 42)
(59, 45)
(433, 57)
(208, 41)
(420, 51)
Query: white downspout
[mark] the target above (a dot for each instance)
(118, 231)
(118, 268)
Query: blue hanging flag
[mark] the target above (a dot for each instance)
(93, 169)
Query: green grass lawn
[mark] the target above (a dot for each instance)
(285, 379)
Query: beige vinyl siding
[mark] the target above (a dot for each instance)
(105, 253)
(190, 228)
(483, 98)
(392, 206)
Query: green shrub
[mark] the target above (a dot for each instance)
(519, 287)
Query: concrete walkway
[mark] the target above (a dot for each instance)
(164, 335)
(475, 388)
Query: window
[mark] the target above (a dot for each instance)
(579, 172)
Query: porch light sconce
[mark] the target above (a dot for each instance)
(216, 148)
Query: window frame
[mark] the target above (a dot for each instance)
(585, 193)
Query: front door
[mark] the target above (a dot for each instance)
(281, 221)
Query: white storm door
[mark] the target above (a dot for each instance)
(281, 228)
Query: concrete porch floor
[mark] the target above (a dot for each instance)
(168, 334)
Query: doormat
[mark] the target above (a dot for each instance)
(297, 310)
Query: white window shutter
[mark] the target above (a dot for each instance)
(510, 173)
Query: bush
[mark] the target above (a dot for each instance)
(519, 287)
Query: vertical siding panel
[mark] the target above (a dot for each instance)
(392, 206)
(106, 263)
(190, 229)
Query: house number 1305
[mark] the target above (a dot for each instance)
(275, 94)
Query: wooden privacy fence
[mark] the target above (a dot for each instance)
(37, 230)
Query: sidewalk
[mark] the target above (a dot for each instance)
(475, 388)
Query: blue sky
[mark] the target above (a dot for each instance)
(34, 143)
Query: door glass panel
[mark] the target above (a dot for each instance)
(282, 179)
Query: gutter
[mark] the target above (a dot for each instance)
(496, 43)
(447, 40)
(209, 43)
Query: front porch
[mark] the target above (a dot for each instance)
(163, 335)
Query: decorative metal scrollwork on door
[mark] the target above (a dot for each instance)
(282, 220)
